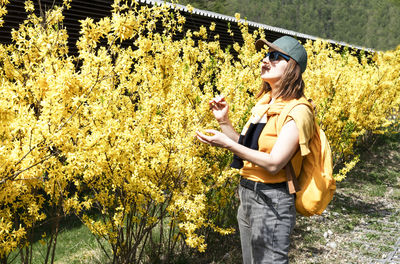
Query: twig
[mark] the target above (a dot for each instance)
(19, 172)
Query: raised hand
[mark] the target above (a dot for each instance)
(220, 108)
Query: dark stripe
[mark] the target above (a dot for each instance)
(250, 140)
(249, 184)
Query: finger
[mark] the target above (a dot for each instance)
(202, 140)
(208, 138)
(211, 131)
(213, 103)
(215, 99)
(218, 99)
(220, 96)
(221, 105)
(201, 135)
(218, 106)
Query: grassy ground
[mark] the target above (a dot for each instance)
(361, 225)
(75, 244)
(363, 221)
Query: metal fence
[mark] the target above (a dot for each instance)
(96, 9)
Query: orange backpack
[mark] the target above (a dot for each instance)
(316, 185)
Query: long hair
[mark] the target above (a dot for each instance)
(291, 84)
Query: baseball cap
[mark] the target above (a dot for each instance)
(289, 46)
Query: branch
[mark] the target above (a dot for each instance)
(12, 177)
(81, 103)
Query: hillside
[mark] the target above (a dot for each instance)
(367, 23)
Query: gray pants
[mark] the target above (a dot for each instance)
(265, 231)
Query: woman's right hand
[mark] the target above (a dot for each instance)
(220, 109)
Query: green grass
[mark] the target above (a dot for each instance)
(376, 190)
(78, 245)
(396, 194)
(372, 236)
(75, 244)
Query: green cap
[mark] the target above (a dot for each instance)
(289, 46)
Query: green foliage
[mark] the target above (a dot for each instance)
(367, 23)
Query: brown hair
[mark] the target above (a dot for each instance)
(291, 83)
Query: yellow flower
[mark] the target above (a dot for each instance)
(237, 16)
(212, 26)
(29, 7)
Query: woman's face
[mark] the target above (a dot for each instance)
(272, 70)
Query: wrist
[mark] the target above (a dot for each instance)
(230, 145)
(224, 122)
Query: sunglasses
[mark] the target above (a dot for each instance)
(274, 56)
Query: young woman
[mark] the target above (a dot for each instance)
(266, 214)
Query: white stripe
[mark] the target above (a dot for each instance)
(263, 119)
(256, 120)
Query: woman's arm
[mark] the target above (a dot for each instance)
(228, 130)
(285, 147)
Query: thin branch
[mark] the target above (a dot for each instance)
(96, 237)
(19, 172)
(81, 103)
(40, 143)
(30, 150)
(40, 8)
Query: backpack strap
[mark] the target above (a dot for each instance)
(293, 184)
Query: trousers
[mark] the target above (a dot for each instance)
(266, 218)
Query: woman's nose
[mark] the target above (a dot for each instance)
(265, 60)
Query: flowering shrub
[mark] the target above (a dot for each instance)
(112, 128)
(354, 94)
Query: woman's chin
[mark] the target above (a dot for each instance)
(268, 78)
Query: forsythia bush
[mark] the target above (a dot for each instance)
(111, 130)
(354, 94)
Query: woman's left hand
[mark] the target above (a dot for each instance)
(217, 138)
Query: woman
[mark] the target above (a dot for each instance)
(266, 214)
